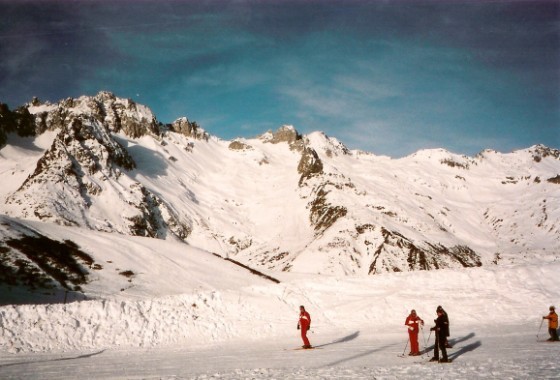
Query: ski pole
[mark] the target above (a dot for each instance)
(406, 345)
(424, 338)
(542, 320)
(429, 335)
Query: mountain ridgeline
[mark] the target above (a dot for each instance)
(281, 201)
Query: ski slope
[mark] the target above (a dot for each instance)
(223, 322)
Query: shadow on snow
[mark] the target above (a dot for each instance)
(454, 355)
(347, 338)
(465, 349)
(54, 360)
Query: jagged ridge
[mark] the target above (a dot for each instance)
(284, 201)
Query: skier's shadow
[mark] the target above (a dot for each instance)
(453, 342)
(341, 340)
(462, 350)
(53, 360)
(467, 348)
(366, 353)
(459, 340)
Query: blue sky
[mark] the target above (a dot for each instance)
(389, 77)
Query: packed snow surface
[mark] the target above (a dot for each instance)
(506, 353)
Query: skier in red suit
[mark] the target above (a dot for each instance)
(413, 322)
(304, 324)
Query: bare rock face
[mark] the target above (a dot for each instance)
(387, 256)
(189, 129)
(555, 180)
(309, 165)
(116, 114)
(541, 151)
(36, 262)
(322, 213)
(286, 133)
(18, 121)
(239, 145)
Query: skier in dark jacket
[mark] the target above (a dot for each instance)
(441, 332)
(447, 345)
(552, 324)
(304, 324)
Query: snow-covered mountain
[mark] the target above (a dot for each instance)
(190, 255)
(279, 202)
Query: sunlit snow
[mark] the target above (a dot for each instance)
(185, 311)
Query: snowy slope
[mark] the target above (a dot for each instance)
(216, 321)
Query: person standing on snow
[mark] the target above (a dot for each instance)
(552, 324)
(412, 322)
(441, 335)
(304, 324)
(439, 308)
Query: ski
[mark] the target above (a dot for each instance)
(441, 362)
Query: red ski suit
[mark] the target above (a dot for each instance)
(413, 322)
(304, 323)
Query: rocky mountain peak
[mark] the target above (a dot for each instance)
(86, 166)
(189, 129)
(540, 151)
(116, 114)
(286, 133)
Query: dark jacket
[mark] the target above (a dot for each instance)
(442, 325)
(446, 318)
